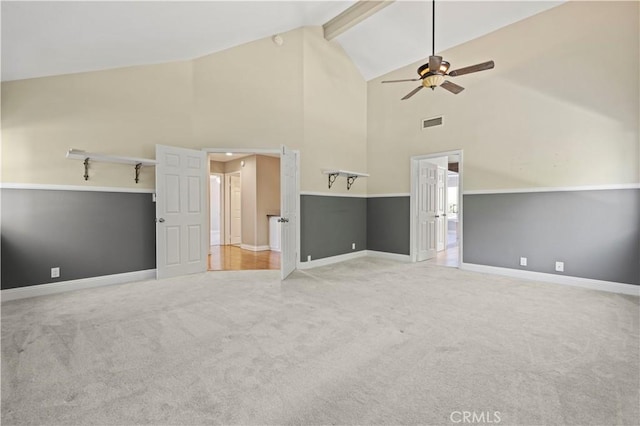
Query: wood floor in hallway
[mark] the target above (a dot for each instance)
(233, 258)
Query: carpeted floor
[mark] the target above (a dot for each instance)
(368, 341)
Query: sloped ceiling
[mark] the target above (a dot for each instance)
(51, 38)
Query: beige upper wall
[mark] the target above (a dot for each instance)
(119, 112)
(546, 116)
(335, 119)
(251, 96)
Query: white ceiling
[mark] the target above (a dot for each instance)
(50, 38)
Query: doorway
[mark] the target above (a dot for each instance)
(250, 203)
(436, 208)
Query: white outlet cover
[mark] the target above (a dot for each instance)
(55, 272)
(560, 266)
(523, 261)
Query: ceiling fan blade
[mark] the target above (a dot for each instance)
(452, 87)
(413, 92)
(434, 63)
(473, 68)
(399, 81)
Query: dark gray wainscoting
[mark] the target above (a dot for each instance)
(388, 224)
(330, 224)
(595, 233)
(85, 233)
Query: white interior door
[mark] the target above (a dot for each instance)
(235, 201)
(426, 214)
(288, 211)
(181, 211)
(441, 209)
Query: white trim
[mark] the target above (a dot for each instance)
(398, 194)
(84, 283)
(553, 189)
(331, 194)
(254, 248)
(51, 187)
(332, 259)
(257, 151)
(356, 255)
(609, 286)
(390, 256)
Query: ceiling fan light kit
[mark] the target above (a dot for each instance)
(433, 73)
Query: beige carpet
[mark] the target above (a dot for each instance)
(368, 341)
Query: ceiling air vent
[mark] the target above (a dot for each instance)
(432, 122)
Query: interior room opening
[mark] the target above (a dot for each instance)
(437, 213)
(244, 198)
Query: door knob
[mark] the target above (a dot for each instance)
(161, 220)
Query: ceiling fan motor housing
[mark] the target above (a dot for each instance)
(432, 79)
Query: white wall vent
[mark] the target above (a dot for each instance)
(432, 122)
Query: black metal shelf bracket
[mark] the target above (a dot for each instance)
(350, 180)
(138, 167)
(86, 169)
(332, 178)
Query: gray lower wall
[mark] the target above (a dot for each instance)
(595, 233)
(85, 233)
(89, 234)
(329, 225)
(388, 224)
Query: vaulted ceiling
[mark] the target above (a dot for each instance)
(51, 38)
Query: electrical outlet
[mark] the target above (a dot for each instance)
(523, 261)
(353, 246)
(309, 258)
(55, 272)
(560, 266)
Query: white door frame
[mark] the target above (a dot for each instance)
(413, 250)
(276, 151)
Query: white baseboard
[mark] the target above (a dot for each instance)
(62, 286)
(331, 260)
(355, 255)
(254, 248)
(391, 256)
(609, 286)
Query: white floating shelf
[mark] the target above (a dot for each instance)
(77, 154)
(351, 176)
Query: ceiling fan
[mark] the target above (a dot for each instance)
(433, 73)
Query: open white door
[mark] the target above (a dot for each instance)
(426, 214)
(181, 211)
(288, 211)
(441, 209)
